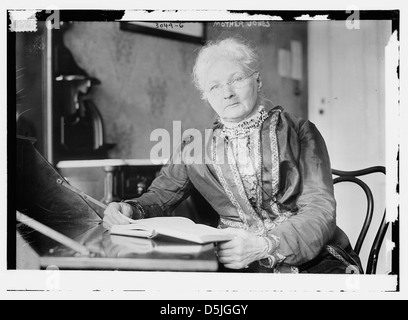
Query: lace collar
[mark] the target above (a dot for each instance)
(245, 127)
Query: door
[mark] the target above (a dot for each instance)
(347, 104)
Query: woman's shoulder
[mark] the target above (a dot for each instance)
(287, 118)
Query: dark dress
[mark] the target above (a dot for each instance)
(289, 197)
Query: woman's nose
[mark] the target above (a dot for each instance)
(227, 91)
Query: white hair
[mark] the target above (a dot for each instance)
(231, 48)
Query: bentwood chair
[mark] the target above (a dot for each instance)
(352, 176)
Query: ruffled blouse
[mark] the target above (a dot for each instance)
(242, 137)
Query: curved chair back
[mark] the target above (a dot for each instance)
(352, 176)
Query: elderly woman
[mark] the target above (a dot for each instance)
(272, 187)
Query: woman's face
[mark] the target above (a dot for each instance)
(232, 100)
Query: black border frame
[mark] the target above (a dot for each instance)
(115, 15)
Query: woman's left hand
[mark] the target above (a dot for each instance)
(244, 249)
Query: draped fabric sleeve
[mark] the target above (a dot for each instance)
(167, 190)
(303, 235)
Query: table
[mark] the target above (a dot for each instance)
(111, 255)
(42, 198)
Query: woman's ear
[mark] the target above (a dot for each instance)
(259, 81)
(204, 97)
(259, 85)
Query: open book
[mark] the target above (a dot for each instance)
(174, 227)
(136, 245)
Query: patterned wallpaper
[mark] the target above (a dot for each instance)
(146, 80)
(146, 84)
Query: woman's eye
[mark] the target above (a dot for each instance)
(238, 79)
(215, 87)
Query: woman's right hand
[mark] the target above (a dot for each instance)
(116, 213)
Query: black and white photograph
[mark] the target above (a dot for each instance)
(214, 154)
